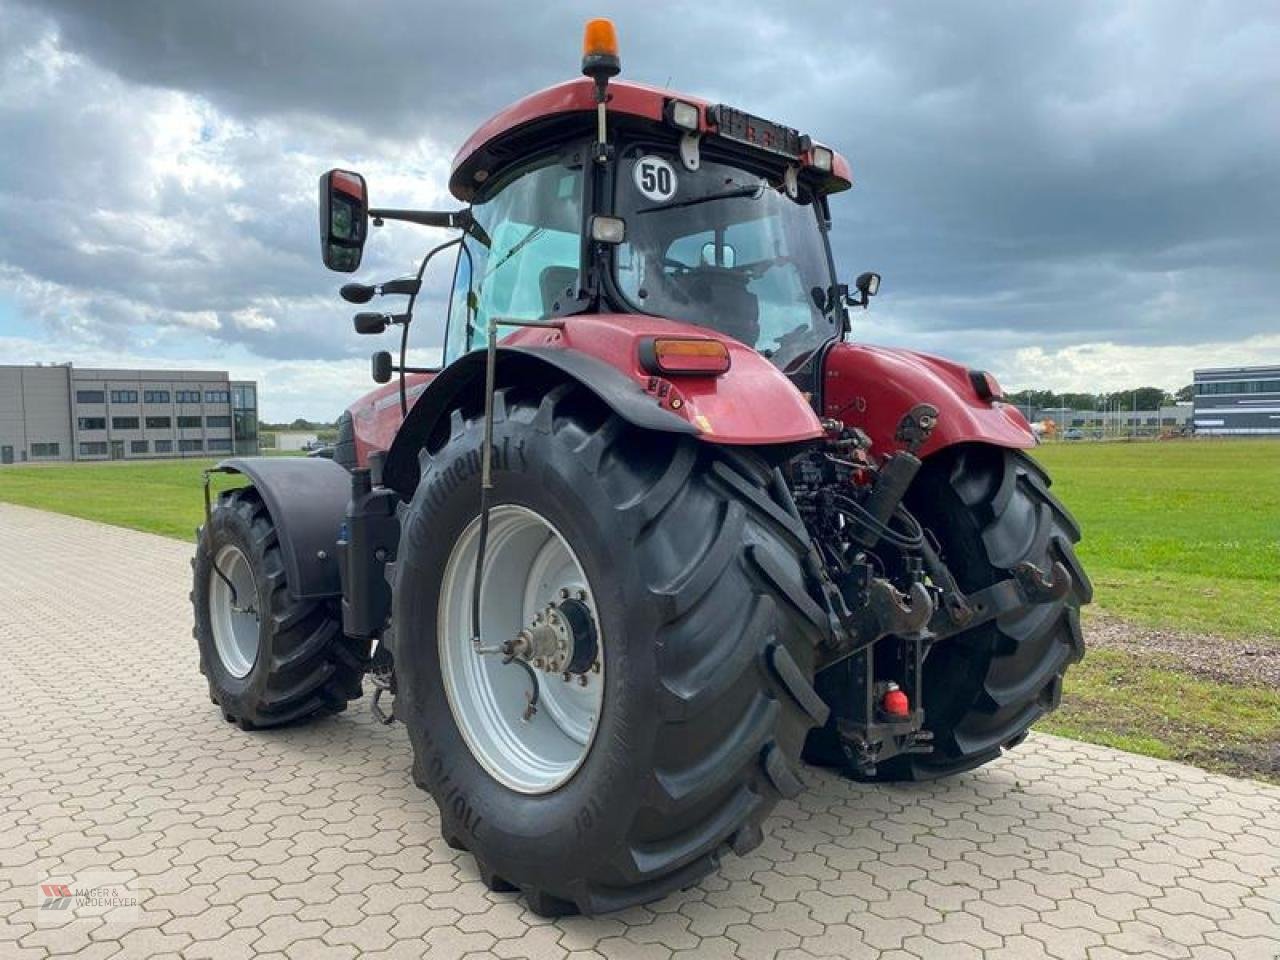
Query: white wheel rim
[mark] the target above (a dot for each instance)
(528, 562)
(235, 626)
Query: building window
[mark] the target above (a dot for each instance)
(190, 446)
(189, 423)
(159, 423)
(124, 423)
(93, 449)
(244, 409)
(124, 396)
(45, 450)
(164, 446)
(155, 396)
(188, 396)
(1218, 387)
(90, 396)
(217, 396)
(92, 423)
(219, 444)
(217, 421)
(137, 446)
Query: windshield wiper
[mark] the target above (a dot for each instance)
(754, 192)
(520, 245)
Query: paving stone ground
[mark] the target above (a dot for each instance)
(313, 843)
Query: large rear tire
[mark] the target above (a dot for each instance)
(706, 637)
(989, 509)
(269, 659)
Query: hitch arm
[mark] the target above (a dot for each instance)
(1028, 587)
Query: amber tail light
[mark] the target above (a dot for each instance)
(684, 356)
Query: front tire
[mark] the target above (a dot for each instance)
(706, 658)
(269, 659)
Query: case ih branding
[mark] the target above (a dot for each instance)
(656, 532)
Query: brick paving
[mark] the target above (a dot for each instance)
(312, 842)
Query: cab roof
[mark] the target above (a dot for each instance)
(512, 132)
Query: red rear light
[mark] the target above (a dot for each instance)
(667, 355)
(986, 386)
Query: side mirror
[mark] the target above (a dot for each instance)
(344, 219)
(867, 285)
(381, 364)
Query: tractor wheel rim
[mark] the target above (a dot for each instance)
(528, 566)
(236, 628)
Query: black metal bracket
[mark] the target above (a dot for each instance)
(1028, 587)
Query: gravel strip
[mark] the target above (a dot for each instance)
(1226, 660)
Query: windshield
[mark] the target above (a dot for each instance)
(726, 249)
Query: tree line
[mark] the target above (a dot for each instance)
(1136, 398)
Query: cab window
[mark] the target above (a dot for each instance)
(532, 221)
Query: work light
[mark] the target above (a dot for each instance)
(681, 114)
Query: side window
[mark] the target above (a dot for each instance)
(532, 260)
(461, 315)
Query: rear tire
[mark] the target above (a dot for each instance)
(301, 665)
(707, 657)
(990, 509)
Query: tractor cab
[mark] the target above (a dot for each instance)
(688, 225)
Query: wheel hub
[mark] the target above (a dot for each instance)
(561, 639)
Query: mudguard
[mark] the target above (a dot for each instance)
(872, 388)
(306, 497)
(753, 403)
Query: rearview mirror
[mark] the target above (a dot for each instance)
(344, 219)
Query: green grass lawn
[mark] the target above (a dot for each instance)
(156, 496)
(1179, 534)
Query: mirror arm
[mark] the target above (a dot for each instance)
(427, 218)
(448, 219)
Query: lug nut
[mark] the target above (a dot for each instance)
(582, 679)
(564, 593)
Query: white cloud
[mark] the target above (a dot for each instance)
(1099, 367)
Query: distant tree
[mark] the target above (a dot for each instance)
(1186, 393)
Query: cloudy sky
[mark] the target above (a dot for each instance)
(1074, 195)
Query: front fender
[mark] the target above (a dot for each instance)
(307, 498)
(871, 388)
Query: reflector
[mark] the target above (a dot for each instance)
(684, 356)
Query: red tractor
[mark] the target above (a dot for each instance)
(656, 530)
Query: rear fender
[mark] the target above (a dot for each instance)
(752, 404)
(306, 497)
(872, 388)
